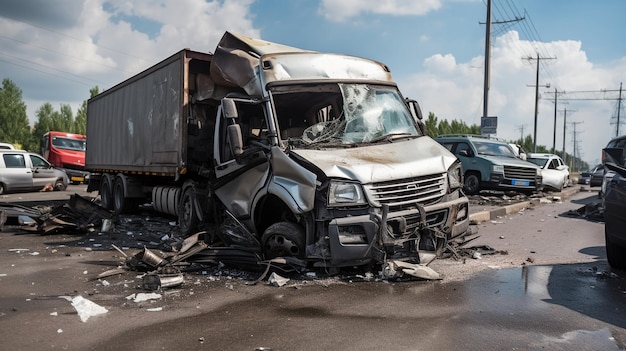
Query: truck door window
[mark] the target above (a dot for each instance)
(253, 126)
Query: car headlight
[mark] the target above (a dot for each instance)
(455, 176)
(345, 194)
(497, 169)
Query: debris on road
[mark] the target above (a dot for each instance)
(593, 212)
(85, 308)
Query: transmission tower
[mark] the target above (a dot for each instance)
(575, 151)
(616, 94)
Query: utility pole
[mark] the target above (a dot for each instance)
(486, 84)
(575, 141)
(619, 108)
(521, 128)
(564, 130)
(537, 95)
(554, 130)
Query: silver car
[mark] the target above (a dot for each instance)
(27, 171)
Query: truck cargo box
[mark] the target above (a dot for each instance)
(140, 125)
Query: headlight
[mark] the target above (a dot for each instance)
(455, 176)
(345, 194)
(497, 169)
(538, 171)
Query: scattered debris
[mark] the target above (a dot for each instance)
(593, 212)
(277, 280)
(141, 297)
(84, 307)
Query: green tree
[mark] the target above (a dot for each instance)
(14, 127)
(80, 123)
(431, 125)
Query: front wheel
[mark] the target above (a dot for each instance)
(472, 183)
(283, 239)
(187, 217)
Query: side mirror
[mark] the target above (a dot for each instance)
(235, 140)
(464, 153)
(229, 108)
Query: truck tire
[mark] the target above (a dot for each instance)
(283, 239)
(121, 203)
(472, 183)
(106, 191)
(187, 216)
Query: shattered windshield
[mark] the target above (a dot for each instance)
(341, 114)
(69, 143)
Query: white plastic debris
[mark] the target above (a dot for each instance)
(18, 250)
(140, 297)
(84, 307)
(156, 309)
(277, 280)
(54, 314)
(59, 331)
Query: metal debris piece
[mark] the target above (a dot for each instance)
(397, 269)
(277, 280)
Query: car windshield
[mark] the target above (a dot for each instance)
(341, 114)
(541, 162)
(493, 149)
(69, 144)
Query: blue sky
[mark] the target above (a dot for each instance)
(55, 51)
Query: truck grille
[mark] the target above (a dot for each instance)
(512, 172)
(401, 193)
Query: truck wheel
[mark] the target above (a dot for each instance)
(472, 183)
(187, 216)
(106, 192)
(121, 203)
(283, 239)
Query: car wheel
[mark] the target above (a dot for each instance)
(283, 239)
(472, 183)
(615, 254)
(59, 186)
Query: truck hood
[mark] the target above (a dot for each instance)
(382, 162)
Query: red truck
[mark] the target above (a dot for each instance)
(66, 151)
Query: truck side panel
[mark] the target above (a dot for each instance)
(137, 125)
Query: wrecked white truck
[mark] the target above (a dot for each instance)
(279, 151)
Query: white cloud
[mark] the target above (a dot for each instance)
(342, 10)
(454, 90)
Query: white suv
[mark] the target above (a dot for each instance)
(27, 171)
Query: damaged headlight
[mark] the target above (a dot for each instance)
(497, 168)
(455, 176)
(345, 194)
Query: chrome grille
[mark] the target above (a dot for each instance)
(512, 172)
(400, 192)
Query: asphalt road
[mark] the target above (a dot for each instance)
(546, 286)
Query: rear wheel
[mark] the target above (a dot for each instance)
(121, 203)
(106, 192)
(59, 186)
(283, 239)
(615, 254)
(472, 183)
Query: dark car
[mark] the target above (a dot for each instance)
(614, 199)
(596, 175)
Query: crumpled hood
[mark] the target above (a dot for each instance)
(382, 162)
(509, 161)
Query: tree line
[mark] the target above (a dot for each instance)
(15, 128)
(14, 124)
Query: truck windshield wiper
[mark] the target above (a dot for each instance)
(392, 136)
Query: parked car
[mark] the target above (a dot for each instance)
(597, 174)
(614, 200)
(491, 164)
(27, 171)
(6, 146)
(584, 177)
(554, 173)
(614, 146)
